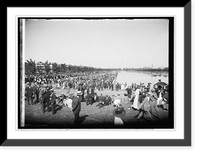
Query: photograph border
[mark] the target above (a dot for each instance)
(159, 124)
(124, 142)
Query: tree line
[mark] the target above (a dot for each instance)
(31, 68)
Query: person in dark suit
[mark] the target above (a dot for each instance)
(53, 101)
(90, 95)
(42, 91)
(129, 91)
(103, 101)
(29, 91)
(82, 88)
(83, 92)
(76, 107)
(45, 101)
(36, 90)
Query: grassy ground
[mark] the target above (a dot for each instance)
(90, 116)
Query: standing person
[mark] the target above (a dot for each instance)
(48, 103)
(129, 91)
(90, 95)
(148, 87)
(136, 99)
(69, 86)
(160, 98)
(165, 101)
(52, 101)
(41, 93)
(45, 101)
(58, 83)
(112, 86)
(29, 91)
(83, 92)
(36, 89)
(81, 88)
(76, 106)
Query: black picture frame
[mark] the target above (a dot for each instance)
(124, 142)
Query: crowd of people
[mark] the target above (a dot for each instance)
(143, 98)
(149, 102)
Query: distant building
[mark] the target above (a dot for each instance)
(40, 67)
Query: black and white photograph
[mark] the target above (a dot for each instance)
(96, 73)
(99, 76)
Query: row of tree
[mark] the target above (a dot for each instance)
(31, 68)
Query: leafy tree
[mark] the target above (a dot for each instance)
(55, 68)
(30, 67)
(63, 68)
(47, 66)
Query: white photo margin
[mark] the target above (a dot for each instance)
(12, 73)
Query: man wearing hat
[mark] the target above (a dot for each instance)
(41, 93)
(52, 101)
(90, 95)
(29, 92)
(36, 90)
(45, 100)
(129, 91)
(83, 91)
(76, 106)
(119, 112)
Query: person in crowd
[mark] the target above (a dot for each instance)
(119, 113)
(103, 100)
(125, 85)
(136, 99)
(76, 106)
(29, 92)
(36, 92)
(112, 86)
(69, 86)
(82, 87)
(165, 101)
(129, 92)
(148, 86)
(142, 95)
(68, 101)
(90, 95)
(117, 100)
(160, 97)
(52, 101)
(148, 109)
(41, 93)
(45, 101)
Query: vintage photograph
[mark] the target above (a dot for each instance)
(95, 73)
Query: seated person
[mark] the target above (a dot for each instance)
(117, 100)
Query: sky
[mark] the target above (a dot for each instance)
(107, 43)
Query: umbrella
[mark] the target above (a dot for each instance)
(160, 83)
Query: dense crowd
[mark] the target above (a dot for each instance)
(144, 98)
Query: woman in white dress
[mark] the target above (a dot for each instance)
(135, 103)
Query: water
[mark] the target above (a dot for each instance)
(137, 77)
